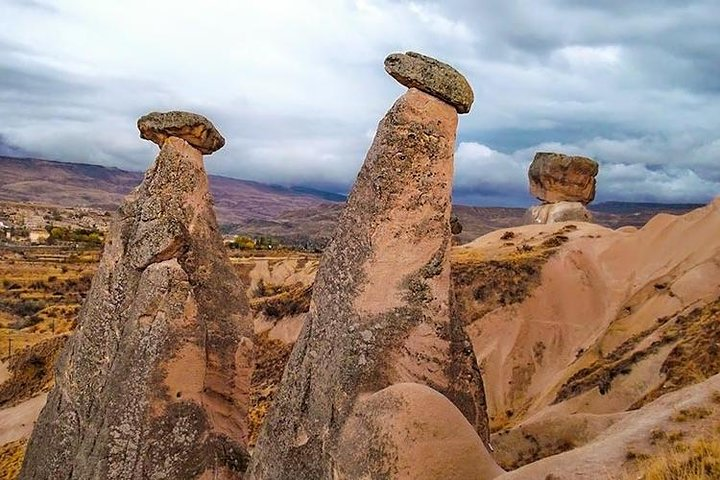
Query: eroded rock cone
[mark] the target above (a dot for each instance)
(555, 177)
(154, 383)
(381, 307)
(421, 434)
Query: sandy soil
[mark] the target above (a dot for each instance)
(4, 373)
(18, 421)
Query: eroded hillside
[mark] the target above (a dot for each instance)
(580, 332)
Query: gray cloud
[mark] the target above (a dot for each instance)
(297, 87)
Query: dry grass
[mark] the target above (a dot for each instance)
(694, 358)
(280, 301)
(32, 371)
(11, 458)
(482, 285)
(272, 356)
(40, 294)
(698, 460)
(692, 413)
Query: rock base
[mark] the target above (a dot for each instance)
(557, 212)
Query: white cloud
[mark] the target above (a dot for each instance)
(296, 86)
(586, 55)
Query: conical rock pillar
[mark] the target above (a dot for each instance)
(381, 307)
(155, 381)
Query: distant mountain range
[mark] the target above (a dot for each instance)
(82, 185)
(295, 214)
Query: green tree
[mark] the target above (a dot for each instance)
(242, 242)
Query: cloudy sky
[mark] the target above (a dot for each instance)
(297, 86)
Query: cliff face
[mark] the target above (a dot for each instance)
(155, 381)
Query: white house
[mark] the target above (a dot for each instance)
(5, 230)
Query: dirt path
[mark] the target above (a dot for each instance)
(17, 422)
(4, 373)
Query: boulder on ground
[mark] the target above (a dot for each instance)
(195, 129)
(555, 177)
(431, 76)
(557, 212)
(411, 432)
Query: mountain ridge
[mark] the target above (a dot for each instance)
(86, 185)
(295, 214)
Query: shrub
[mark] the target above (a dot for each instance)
(27, 308)
(243, 243)
(692, 413)
(38, 285)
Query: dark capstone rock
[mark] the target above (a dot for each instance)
(195, 129)
(456, 227)
(431, 76)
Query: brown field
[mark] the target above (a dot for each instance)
(41, 290)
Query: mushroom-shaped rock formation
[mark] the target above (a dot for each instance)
(381, 307)
(431, 76)
(555, 177)
(415, 433)
(195, 129)
(155, 381)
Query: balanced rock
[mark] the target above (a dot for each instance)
(555, 177)
(155, 381)
(421, 434)
(195, 129)
(557, 212)
(381, 306)
(431, 76)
